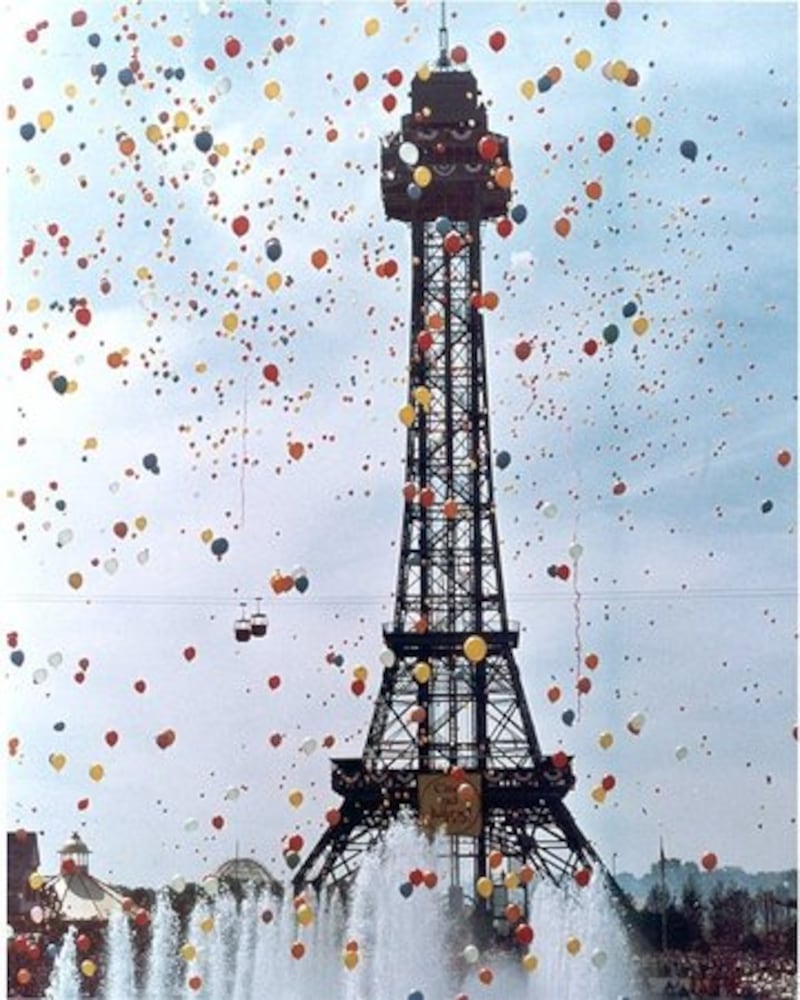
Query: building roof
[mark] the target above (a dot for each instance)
(82, 898)
(247, 870)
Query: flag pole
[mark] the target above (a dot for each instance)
(662, 866)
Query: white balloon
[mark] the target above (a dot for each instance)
(232, 794)
(408, 153)
(190, 825)
(55, 659)
(471, 954)
(111, 566)
(681, 752)
(143, 556)
(549, 509)
(39, 676)
(177, 883)
(575, 551)
(387, 658)
(599, 958)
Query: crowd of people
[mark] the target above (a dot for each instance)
(725, 973)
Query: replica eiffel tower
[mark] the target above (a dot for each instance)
(452, 738)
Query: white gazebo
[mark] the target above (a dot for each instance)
(82, 898)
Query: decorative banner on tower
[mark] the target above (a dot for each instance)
(457, 806)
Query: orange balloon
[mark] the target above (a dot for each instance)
(562, 226)
(319, 258)
(594, 190)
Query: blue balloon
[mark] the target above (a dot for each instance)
(414, 192)
(99, 70)
(503, 460)
(767, 506)
(568, 717)
(219, 547)
(443, 225)
(416, 995)
(204, 141)
(93, 39)
(544, 83)
(60, 384)
(17, 657)
(180, 73)
(629, 309)
(611, 333)
(406, 888)
(519, 213)
(125, 76)
(150, 462)
(27, 131)
(274, 249)
(689, 149)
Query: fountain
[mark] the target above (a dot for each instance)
(387, 944)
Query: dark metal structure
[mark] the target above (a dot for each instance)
(452, 738)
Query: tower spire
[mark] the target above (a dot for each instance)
(444, 45)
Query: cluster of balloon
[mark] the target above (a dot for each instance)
(293, 844)
(358, 684)
(350, 956)
(283, 583)
(559, 571)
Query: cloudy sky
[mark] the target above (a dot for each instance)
(171, 391)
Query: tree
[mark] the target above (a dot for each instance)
(691, 910)
(731, 914)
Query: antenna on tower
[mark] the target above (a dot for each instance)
(444, 45)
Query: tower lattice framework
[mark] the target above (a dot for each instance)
(452, 738)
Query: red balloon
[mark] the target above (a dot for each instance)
(613, 10)
(582, 876)
(497, 41)
(523, 350)
(459, 54)
(240, 225)
(524, 934)
(505, 227)
(271, 373)
(590, 347)
(605, 141)
(488, 147)
(112, 738)
(559, 759)
(189, 653)
(609, 782)
(394, 77)
(389, 102)
(709, 861)
(584, 685)
(232, 46)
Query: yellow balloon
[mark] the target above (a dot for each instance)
(36, 881)
(424, 73)
(272, 90)
(641, 325)
(295, 798)
(70, 90)
(583, 59)
(32, 304)
(573, 945)
(154, 133)
(475, 648)
(140, 523)
(45, 120)
(511, 881)
(527, 88)
(304, 915)
(181, 120)
(222, 149)
(88, 968)
(605, 739)
(274, 281)
(406, 415)
(422, 672)
(206, 535)
(619, 69)
(642, 126)
(188, 952)
(207, 925)
(599, 794)
(75, 580)
(484, 887)
(361, 673)
(371, 27)
(422, 176)
(57, 761)
(422, 396)
(230, 321)
(97, 772)
(530, 963)
(350, 959)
